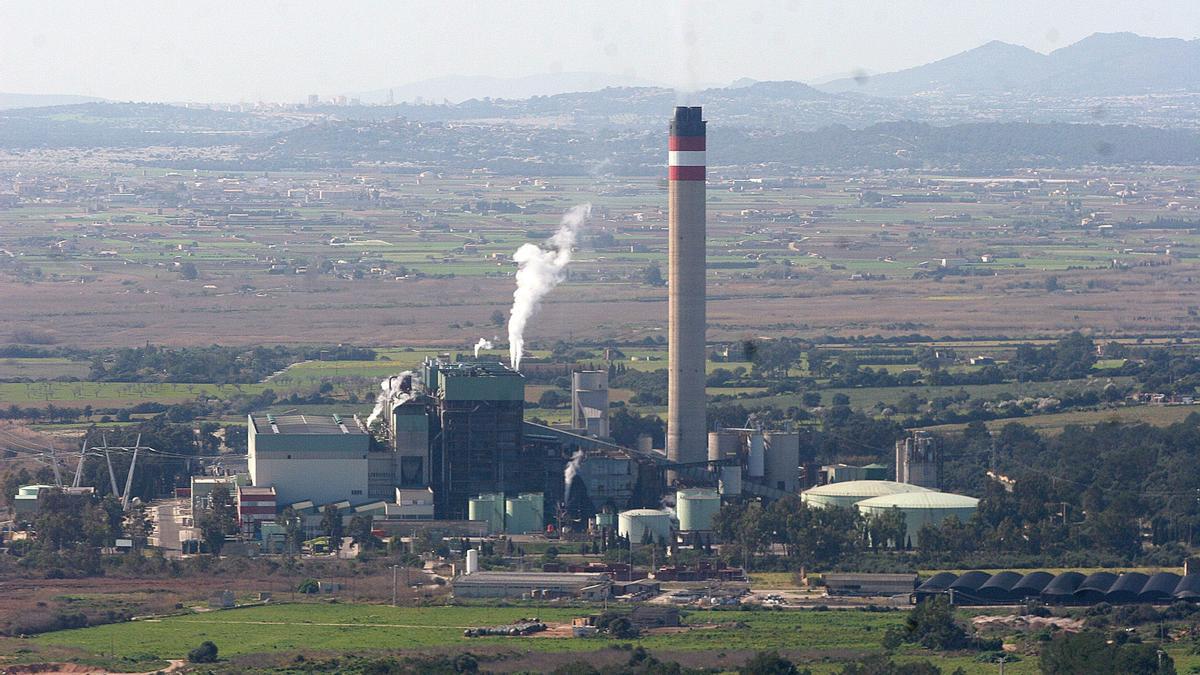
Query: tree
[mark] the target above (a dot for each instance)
(768, 663)
(360, 530)
(205, 653)
(331, 525)
(931, 624)
(552, 398)
(652, 276)
(293, 528)
(497, 318)
(137, 526)
(218, 520)
(188, 271)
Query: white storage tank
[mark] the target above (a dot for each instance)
(731, 481)
(756, 464)
(634, 525)
(697, 508)
(926, 507)
(851, 492)
(783, 460)
(472, 561)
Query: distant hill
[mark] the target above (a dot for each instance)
(1103, 64)
(522, 150)
(458, 88)
(9, 101)
(131, 125)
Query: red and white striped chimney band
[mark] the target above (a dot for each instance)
(685, 158)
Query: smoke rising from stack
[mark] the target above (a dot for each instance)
(483, 343)
(395, 389)
(569, 473)
(539, 270)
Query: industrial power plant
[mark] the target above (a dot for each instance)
(448, 444)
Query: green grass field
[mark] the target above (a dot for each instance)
(290, 627)
(819, 639)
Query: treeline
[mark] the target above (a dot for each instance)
(1114, 494)
(214, 364)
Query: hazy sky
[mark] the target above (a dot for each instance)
(210, 50)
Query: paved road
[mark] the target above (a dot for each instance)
(166, 529)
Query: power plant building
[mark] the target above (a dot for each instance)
(919, 461)
(322, 458)
(589, 402)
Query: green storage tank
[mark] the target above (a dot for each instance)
(490, 509)
(523, 514)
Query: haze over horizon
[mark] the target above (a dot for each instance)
(278, 51)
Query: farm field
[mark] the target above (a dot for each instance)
(425, 265)
(1053, 423)
(357, 628)
(816, 639)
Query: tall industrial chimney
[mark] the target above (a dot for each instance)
(686, 424)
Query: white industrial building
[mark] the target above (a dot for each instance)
(323, 459)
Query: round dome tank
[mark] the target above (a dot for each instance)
(848, 493)
(696, 509)
(921, 508)
(636, 523)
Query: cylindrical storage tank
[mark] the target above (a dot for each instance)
(488, 508)
(721, 444)
(1159, 587)
(1062, 588)
(1126, 587)
(920, 509)
(782, 460)
(731, 481)
(1095, 587)
(645, 443)
(999, 587)
(523, 514)
(634, 525)
(848, 493)
(696, 509)
(756, 463)
(605, 519)
(935, 585)
(1031, 585)
(472, 561)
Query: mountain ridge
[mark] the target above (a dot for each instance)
(1102, 64)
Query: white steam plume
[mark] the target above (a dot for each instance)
(397, 388)
(538, 271)
(483, 343)
(569, 473)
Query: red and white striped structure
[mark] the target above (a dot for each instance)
(687, 429)
(685, 157)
